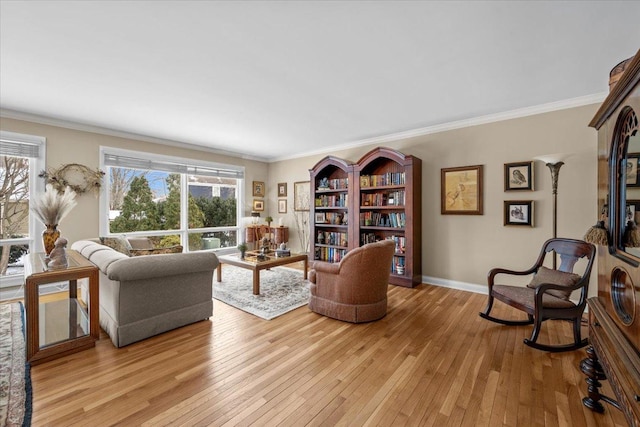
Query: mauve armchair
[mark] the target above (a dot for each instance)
(355, 289)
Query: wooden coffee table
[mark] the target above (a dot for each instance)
(251, 262)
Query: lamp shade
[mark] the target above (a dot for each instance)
(553, 158)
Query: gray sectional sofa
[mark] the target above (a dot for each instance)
(143, 296)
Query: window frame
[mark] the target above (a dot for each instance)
(36, 186)
(184, 229)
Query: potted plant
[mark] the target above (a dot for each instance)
(242, 247)
(269, 220)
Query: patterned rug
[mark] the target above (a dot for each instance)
(15, 378)
(281, 290)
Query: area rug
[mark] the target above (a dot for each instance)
(281, 290)
(15, 378)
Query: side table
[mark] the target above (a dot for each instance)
(61, 327)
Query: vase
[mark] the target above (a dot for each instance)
(49, 237)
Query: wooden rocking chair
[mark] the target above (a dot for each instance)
(547, 296)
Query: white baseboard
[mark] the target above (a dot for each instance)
(454, 284)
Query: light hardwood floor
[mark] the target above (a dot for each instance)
(431, 361)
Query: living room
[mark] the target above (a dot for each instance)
(225, 369)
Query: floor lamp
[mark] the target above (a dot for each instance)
(554, 162)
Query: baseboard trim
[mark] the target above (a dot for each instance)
(454, 284)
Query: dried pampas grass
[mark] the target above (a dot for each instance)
(52, 206)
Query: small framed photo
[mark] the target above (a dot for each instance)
(518, 212)
(632, 170)
(320, 218)
(518, 176)
(461, 190)
(282, 206)
(282, 189)
(258, 205)
(258, 189)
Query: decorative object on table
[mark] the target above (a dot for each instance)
(58, 255)
(258, 189)
(282, 290)
(258, 205)
(75, 176)
(282, 206)
(254, 217)
(50, 208)
(518, 176)
(301, 195)
(268, 220)
(242, 247)
(15, 372)
(282, 189)
(518, 212)
(461, 190)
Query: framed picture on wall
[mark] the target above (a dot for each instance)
(258, 189)
(632, 170)
(258, 205)
(518, 212)
(301, 195)
(461, 190)
(282, 206)
(518, 176)
(282, 189)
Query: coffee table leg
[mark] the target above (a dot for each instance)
(219, 272)
(306, 262)
(256, 282)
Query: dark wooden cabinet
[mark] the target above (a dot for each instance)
(377, 198)
(614, 315)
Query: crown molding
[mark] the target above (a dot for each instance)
(52, 121)
(490, 118)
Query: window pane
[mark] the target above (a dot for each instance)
(143, 200)
(213, 240)
(212, 201)
(14, 211)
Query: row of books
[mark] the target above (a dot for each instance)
(330, 254)
(390, 178)
(394, 198)
(378, 219)
(332, 238)
(332, 200)
(333, 184)
(398, 265)
(400, 241)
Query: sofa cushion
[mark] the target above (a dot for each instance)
(120, 244)
(556, 277)
(156, 251)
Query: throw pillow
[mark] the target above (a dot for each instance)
(170, 250)
(547, 275)
(119, 244)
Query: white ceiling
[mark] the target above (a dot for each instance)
(274, 80)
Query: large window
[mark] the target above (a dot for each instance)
(21, 158)
(171, 200)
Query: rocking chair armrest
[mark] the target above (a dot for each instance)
(495, 271)
(544, 287)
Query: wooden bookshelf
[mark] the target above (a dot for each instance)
(331, 223)
(377, 198)
(388, 206)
